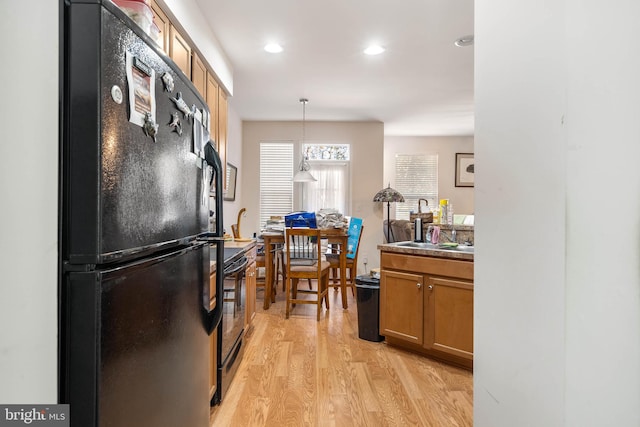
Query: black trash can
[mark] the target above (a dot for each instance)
(368, 298)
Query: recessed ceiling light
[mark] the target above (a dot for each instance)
(464, 41)
(273, 48)
(374, 49)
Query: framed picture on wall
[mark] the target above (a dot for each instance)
(232, 175)
(465, 165)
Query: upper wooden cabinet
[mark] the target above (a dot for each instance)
(212, 102)
(180, 51)
(222, 133)
(197, 70)
(199, 75)
(162, 22)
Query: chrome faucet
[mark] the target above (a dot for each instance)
(451, 239)
(426, 203)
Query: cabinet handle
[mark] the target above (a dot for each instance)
(430, 287)
(419, 285)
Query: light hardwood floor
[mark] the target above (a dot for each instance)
(300, 372)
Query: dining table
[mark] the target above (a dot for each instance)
(334, 236)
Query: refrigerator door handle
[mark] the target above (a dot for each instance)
(209, 237)
(212, 318)
(213, 159)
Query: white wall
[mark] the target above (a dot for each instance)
(557, 309)
(603, 282)
(234, 156)
(29, 194)
(366, 139)
(446, 147)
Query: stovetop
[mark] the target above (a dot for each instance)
(230, 254)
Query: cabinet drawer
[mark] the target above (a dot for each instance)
(430, 265)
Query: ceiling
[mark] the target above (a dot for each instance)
(421, 85)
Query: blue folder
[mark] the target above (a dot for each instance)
(355, 228)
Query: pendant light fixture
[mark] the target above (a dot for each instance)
(303, 174)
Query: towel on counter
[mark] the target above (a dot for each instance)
(435, 235)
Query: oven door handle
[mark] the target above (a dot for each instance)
(238, 267)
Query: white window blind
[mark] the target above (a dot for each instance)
(416, 178)
(276, 179)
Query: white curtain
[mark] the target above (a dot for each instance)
(330, 191)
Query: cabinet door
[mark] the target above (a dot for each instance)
(180, 51)
(162, 22)
(222, 133)
(199, 75)
(213, 366)
(212, 103)
(449, 317)
(213, 340)
(212, 291)
(401, 306)
(251, 293)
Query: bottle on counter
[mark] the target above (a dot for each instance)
(417, 230)
(444, 211)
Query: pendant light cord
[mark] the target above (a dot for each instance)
(304, 118)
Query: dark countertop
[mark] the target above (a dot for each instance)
(230, 248)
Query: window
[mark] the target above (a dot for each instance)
(330, 166)
(276, 175)
(416, 178)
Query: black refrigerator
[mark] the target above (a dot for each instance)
(136, 172)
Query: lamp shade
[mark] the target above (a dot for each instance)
(303, 176)
(388, 195)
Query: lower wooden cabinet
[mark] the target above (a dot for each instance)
(213, 365)
(448, 321)
(426, 311)
(213, 340)
(250, 312)
(401, 314)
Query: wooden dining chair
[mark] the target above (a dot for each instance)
(261, 279)
(304, 261)
(333, 257)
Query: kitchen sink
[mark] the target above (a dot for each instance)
(424, 245)
(417, 245)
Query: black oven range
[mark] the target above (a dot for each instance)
(230, 332)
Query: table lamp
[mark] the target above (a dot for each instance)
(388, 195)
